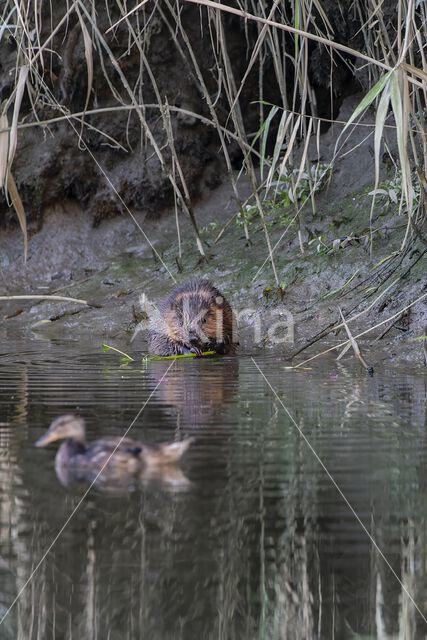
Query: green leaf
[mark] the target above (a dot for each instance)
(264, 136)
(369, 97)
(365, 102)
(379, 128)
(297, 24)
(397, 103)
(184, 355)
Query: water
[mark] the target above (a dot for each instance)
(250, 539)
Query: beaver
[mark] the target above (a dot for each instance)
(195, 317)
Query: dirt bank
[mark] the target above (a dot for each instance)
(113, 264)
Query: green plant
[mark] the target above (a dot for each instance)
(247, 214)
(392, 190)
(284, 193)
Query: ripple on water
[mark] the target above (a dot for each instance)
(256, 542)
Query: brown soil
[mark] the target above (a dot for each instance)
(113, 264)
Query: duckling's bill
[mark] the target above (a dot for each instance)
(47, 438)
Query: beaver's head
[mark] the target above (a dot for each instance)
(197, 319)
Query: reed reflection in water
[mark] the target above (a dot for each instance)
(257, 543)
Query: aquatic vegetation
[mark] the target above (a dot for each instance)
(149, 357)
(127, 359)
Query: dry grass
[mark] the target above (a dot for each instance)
(348, 342)
(392, 67)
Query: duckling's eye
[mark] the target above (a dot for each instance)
(204, 320)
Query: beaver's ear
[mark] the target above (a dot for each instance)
(219, 301)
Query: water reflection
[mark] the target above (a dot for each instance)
(198, 394)
(259, 545)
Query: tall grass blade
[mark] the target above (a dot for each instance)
(46, 297)
(304, 155)
(88, 44)
(297, 24)
(401, 112)
(285, 27)
(264, 138)
(4, 149)
(285, 121)
(380, 118)
(129, 13)
(19, 208)
(13, 140)
(366, 101)
(290, 146)
(5, 25)
(379, 128)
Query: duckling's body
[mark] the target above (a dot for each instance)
(95, 455)
(111, 456)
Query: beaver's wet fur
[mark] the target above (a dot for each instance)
(194, 318)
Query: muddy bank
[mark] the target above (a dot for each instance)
(313, 289)
(112, 265)
(130, 100)
(97, 186)
(142, 112)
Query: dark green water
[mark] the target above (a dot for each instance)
(251, 539)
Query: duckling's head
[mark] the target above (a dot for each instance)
(68, 426)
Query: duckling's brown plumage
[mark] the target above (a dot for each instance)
(117, 454)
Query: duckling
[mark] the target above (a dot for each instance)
(124, 455)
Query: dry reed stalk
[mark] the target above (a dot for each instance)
(8, 144)
(363, 333)
(396, 92)
(183, 199)
(4, 149)
(19, 209)
(236, 115)
(353, 344)
(54, 101)
(335, 327)
(197, 74)
(401, 87)
(88, 44)
(310, 36)
(45, 297)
